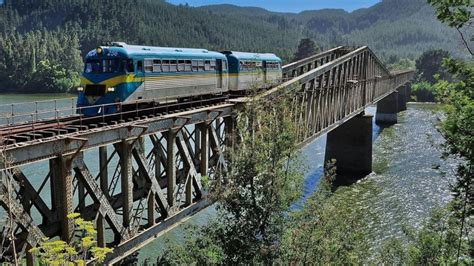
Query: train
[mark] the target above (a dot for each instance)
(126, 74)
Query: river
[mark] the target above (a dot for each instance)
(409, 178)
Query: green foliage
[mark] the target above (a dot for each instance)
(430, 69)
(58, 252)
(199, 248)
(429, 64)
(435, 244)
(402, 65)
(423, 91)
(39, 61)
(306, 48)
(50, 77)
(458, 94)
(457, 14)
(327, 230)
(263, 181)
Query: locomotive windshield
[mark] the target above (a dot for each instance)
(102, 66)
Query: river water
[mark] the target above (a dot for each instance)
(409, 178)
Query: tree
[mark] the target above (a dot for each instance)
(457, 14)
(429, 64)
(328, 230)
(58, 252)
(306, 48)
(256, 193)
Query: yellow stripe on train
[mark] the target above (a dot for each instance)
(112, 82)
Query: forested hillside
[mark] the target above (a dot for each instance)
(404, 28)
(42, 42)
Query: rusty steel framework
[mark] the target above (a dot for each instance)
(137, 178)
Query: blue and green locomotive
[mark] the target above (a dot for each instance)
(121, 73)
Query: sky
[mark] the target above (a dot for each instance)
(293, 6)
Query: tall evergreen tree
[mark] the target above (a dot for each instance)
(430, 64)
(306, 48)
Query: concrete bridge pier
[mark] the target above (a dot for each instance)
(387, 110)
(408, 87)
(351, 146)
(402, 98)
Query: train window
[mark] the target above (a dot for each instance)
(156, 65)
(213, 64)
(92, 66)
(248, 65)
(195, 65)
(110, 65)
(165, 65)
(181, 65)
(201, 65)
(187, 66)
(148, 66)
(242, 66)
(224, 65)
(207, 65)
(173, 66)
(128, 65)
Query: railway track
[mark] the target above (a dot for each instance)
(28, 131)
(37, 129)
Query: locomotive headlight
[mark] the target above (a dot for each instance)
(111, 89)
(98, 50)
(80, 89)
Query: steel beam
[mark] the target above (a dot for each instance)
(171, 169)
(62, 178)
(104, 187)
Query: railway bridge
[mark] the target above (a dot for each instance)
(138, 173)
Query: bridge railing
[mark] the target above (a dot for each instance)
(300, 67)
(337, 90)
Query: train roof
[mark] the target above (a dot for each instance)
(252, 56)
(138, 50)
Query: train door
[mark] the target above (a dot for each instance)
(140, 72)
(219, 73)
(264, 68)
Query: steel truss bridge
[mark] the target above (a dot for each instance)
(138, 173)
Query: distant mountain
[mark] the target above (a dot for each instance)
(405, 28)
